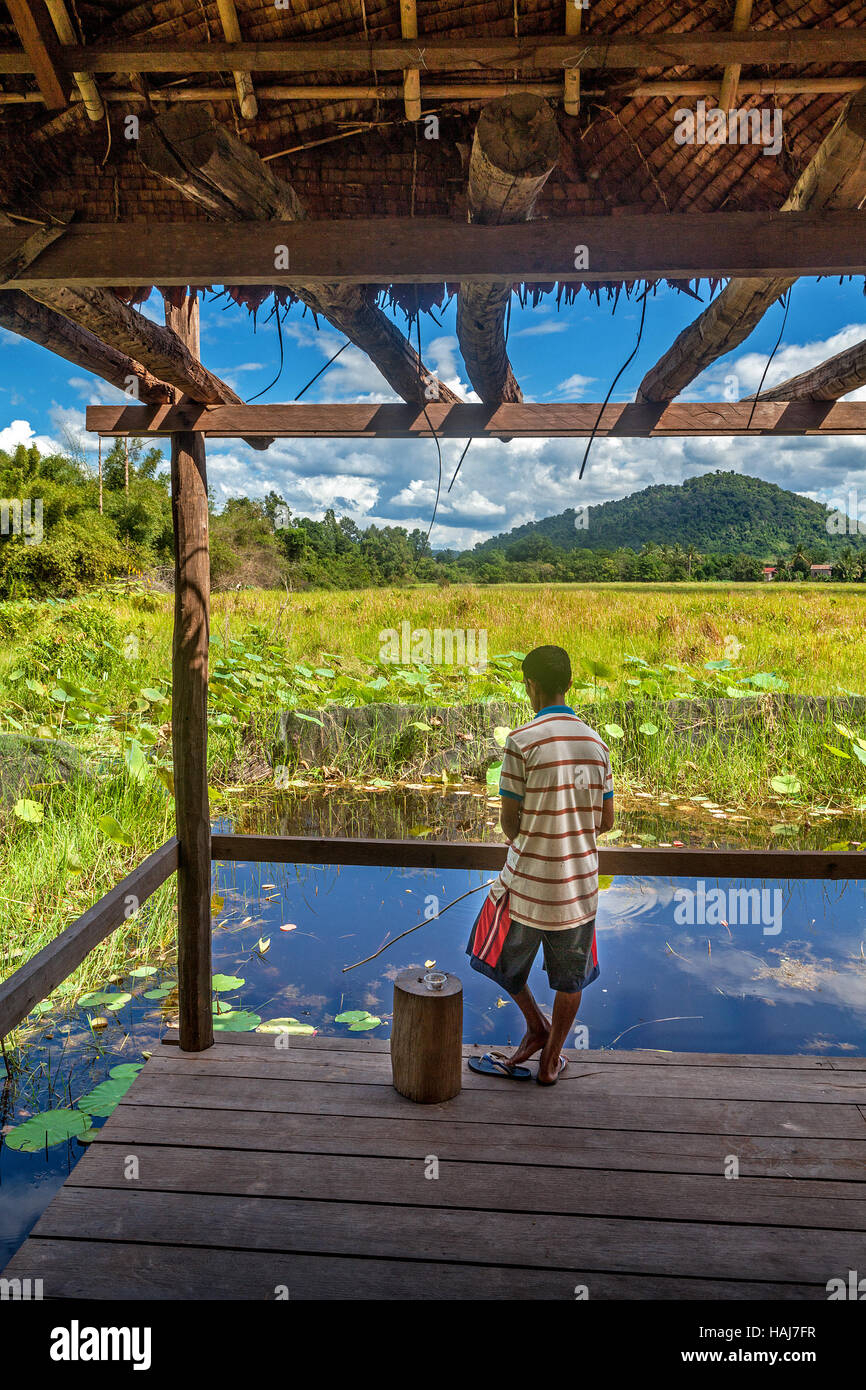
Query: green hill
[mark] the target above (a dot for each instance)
(716, 513)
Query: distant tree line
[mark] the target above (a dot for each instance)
(261, 543)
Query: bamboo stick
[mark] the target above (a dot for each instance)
(731, 75)
(412, 76)
(476, 91)
(243, 81)
(573, 20)
(83, 80)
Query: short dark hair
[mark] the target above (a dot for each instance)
(549, 667)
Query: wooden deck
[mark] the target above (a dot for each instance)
(303, 1169)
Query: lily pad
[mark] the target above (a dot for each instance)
(97, 997)
(118, 1001)
(161, 991)
(364, 1024)
(45, 1130)
(105, 1097)
(286, 1025)
(785, 786)
(141, 972)
(222, 983)
(236, 1021)
(352, 1016)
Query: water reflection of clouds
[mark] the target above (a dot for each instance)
(796, 975)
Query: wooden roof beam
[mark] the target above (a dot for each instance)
(25, 316)
(430, 250)
(827, 382)
(698, 48)
(503, 421)
(243, 81)
(514, 150)
(834, 179)
(42, 50)
(211, 167)
(159, 349)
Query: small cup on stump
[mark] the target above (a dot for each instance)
(427, 1036)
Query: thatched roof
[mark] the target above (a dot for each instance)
(617, 154)
(361, 156)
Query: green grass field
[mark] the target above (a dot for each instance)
(96, 671)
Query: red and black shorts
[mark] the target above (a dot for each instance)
(504, 950)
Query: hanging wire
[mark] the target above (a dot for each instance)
(282, 355)
(346, 344)
(788, 294)
(625, 364)
(427, 417)
(457, 469)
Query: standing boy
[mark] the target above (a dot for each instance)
(556, 790)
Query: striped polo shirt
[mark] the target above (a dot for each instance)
(559, 770)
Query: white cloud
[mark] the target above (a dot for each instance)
(790, 360)
(539, 330)
(329, 491)
(574, 386)
(22, 432)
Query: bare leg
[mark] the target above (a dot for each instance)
(537, 1027)
(565, 1007)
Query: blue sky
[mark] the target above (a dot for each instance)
(567, 354)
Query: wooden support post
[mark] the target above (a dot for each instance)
(189, 506)
(427, 1036)
(412, 76)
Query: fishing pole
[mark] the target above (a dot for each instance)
(418, 925)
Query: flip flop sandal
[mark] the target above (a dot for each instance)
(563, 1063)
(494, 1064)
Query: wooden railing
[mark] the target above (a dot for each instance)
(33, 981)
(475, 854)
(51, 966)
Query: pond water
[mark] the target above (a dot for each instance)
(781, 971)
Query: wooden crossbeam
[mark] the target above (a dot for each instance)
(418, 250)
(704, 48)
(41, 50)
(621, 421)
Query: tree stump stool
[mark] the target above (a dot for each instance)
(427, 1035)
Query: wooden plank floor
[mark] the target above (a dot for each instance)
(302, 1170)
